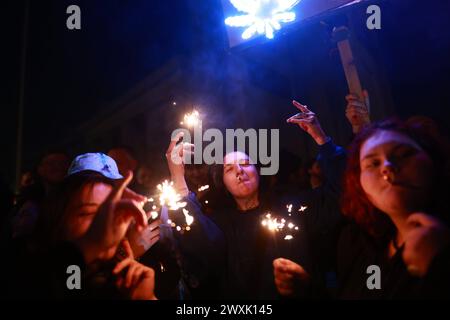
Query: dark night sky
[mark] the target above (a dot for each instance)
(72, 73)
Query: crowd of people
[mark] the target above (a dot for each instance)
(379, 202)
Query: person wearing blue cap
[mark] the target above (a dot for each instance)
(85, 222)
(96, 162)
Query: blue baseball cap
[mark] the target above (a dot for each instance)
(97, 162)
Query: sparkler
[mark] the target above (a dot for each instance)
(154, 215)
(191, 119)
(281, 227)
(203, 188)
(277, 225)
(273, 224)
(169, 197)
(189, 218)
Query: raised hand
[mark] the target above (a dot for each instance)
(308, 121)
(176, 155)
(110, 224)
(357, 111)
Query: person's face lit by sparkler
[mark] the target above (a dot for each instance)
(396, 173)
(239, 176)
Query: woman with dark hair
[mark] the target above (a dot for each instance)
(232, 241)
(397, 242)
(227, 254)
(84, 223)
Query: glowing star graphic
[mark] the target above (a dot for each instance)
(262, 16)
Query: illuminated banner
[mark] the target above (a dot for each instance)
(248, 19)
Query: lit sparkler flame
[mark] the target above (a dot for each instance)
(154, 215)
(203, 188)
(169, 197)
(188, 217)
(277, 225)
(272, 223)
(191, 119)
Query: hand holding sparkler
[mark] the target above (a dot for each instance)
(289, 276)
(308, 121)
(175, 156)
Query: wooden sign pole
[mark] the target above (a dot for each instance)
(340, 35)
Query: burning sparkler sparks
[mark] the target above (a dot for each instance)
(203, 188)
(272, 223)
(191, 119)
(278, 225)
(154, 215)
(189, 218)
(169, 197)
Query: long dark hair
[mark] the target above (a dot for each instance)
(355, 203)
(49, 229)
